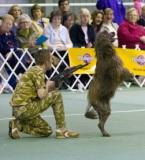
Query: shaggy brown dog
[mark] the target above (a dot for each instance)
(108, 75)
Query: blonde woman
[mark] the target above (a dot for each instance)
(130, 33)
(82, 34)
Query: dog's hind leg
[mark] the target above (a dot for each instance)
(104, 111)
(90, 112)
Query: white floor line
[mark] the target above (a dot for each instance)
(78, 114)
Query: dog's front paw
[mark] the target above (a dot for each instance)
(91, 114)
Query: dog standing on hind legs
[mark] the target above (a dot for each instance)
(109, 74)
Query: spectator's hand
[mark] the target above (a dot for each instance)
(55, 60)
(61, 47)
(69, 74)
(89, 45)
(32, 43)
(142, 38)
(50, 85)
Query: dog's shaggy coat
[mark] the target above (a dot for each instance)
(109, 73)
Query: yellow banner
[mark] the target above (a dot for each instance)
(132, 59)
(81, 56)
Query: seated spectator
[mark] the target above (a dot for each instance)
(7, 37)
(68, 20)
(57, 34)
(141, 20)
(97, 20)
(116, 5)
(109, 25)
(82, 34)
(58, 38)
(26, 35)
(8, 41)
(15, 11)
(39, 22)
(130, 33)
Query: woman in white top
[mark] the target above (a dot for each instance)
(57, 34)
(109, 25)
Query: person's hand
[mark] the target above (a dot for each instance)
(70, 73)
(32, 43)
(61, 47)
(50, 85)
(55, 60)
(89, 45)
(142, 38)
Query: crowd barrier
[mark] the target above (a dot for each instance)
(137, 57)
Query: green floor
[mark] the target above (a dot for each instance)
(126, 125)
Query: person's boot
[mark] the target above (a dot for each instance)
(61, 134)
(13, 130)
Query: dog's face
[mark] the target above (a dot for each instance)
(103, 44)
(105, 36)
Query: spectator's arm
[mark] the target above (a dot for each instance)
(74, 36)
(48, 43)
(124, 33)
(68, 40)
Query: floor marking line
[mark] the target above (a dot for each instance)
(79, 114)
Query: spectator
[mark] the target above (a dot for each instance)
(68, 20)
(39, 22)
(58, 38)
(138, 6)
(26, 35)
(130, 33)
(141, 20)
(97, 20)
(63, 6)
(116, 5)
(83, 35)
(7, 37)
(15, 11)
(57, 34)
(7, 41)
(109, 25)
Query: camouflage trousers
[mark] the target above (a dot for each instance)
(28, 117)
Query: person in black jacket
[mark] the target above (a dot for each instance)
(83, 35)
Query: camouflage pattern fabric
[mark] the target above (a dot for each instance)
(26, 89)
(27, 106)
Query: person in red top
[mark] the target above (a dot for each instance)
(130, 33)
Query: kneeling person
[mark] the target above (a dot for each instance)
(33, 96)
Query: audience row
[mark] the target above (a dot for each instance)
(63, 29)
